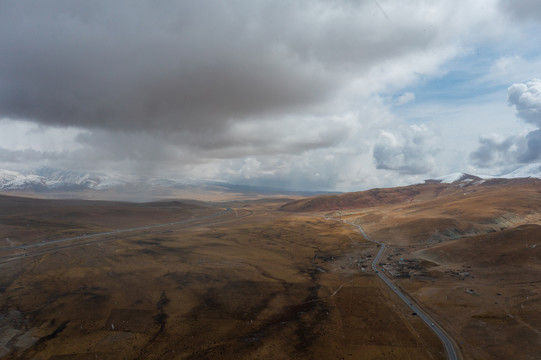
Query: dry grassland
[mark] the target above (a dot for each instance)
(250, 284)
(470, 256)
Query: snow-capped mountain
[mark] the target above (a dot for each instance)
(49, 179)
(12, 180)
(54, 179)
(526, 171)
(458, 177)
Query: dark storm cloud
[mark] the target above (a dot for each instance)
(138, 65)
(522, 9)
(26, 156)
(197, 147)
(141, 65)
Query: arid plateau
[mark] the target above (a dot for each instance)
(275, 278)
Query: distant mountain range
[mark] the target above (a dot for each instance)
(450, 185)
(49, 179)
(45, 179)
(55, 180)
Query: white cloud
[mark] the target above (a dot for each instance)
(410, 152)
(404, 98)
(513, 68)
(506, 152)
(526, 97)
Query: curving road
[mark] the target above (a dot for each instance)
(449, 347)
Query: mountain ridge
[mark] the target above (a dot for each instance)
(526, 171)
(56, 181)
(51, 179)
(453, 185)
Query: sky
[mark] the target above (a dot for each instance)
(300, 95)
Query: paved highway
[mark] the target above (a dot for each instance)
(449, 348)
(114, 232)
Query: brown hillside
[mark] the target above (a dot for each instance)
(369, 198)
(400, 195)
(469, 255)
(498, 253)
(488, 288)
(454, 213)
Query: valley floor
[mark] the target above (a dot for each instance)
(252, 283)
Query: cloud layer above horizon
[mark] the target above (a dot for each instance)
(515, 149)
(304, 94)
